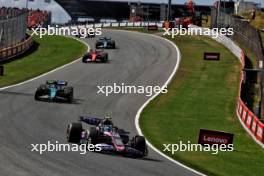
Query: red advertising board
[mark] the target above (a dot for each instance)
(152, 27)
(215, 137)
(211, 56)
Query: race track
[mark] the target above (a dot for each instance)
(138, 60)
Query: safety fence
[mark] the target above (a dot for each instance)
(13, 51)
(249, 37)
(244, 33)
(13, 29)
(6, 13)
(251, 123)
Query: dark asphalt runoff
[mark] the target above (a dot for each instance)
(138, 60)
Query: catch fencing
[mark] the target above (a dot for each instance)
(244, 34)
(13, 33)
(13, 26)
(248, 37)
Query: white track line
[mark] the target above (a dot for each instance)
(49, 72)
(153, 97)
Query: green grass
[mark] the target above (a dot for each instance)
(52, 52)
(203, 94)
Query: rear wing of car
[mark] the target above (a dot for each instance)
(90, 120)
(57, 82)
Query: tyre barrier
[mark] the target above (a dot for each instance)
(16, 50)
(251, 123)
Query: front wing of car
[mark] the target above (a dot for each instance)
(128, 151)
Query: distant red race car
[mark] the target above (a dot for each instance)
(95, 56)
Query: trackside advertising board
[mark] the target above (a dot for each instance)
(152, 27)
(211, 56)
(215, 137)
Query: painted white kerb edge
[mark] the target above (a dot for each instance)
(153, 97)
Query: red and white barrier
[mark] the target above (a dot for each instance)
(259, 134)
(253, 128)
(249, 121)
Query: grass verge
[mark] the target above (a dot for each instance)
(203, 94)
(47, 54)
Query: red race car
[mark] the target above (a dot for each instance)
(95, 56)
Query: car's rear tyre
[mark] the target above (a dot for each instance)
(69, 93)
(74, 131)
(104, 59)
(36, 96)
(93, 135)
(139, 143)
(84, 60)
(41, 90)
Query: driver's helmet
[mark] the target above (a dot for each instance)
(108, 128)
(107, 121)
(52, 86)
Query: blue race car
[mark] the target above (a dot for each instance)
(105, 43)
(105, 136)
(54, 90)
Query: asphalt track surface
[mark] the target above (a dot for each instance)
(138, 60)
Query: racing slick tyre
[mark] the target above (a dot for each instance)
(85, 57)
(37, 96)
(93, 135)
(139, 143)
(105, 58)
(74, 131)
(41, 90)
(69, 94)
(97, 45)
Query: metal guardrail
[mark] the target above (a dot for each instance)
(122, 24)
(13, 30)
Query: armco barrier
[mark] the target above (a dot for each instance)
(13, 51)
(249, 121)
(122, 24)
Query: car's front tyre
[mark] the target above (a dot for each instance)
(74, 131)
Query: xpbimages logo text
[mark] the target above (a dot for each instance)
(191, 147)
(214, 32)
(60, 147)
(130, 89)
(83, 32)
